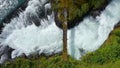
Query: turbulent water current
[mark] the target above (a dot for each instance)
(22, 35)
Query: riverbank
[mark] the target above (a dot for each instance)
(107, 56)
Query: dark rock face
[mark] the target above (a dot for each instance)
(71, 23)
(77, 20)
(95, 13)
(5, 53)
(117, 25)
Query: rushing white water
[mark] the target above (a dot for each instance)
(7, 6)
(89, 35)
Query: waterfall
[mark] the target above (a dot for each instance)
(22, 35)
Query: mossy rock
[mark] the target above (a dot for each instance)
(77, 10)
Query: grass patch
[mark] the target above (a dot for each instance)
(109, 51)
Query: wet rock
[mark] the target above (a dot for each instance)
(5, 53)
(95, 13)
(71, 23)
(117, 25)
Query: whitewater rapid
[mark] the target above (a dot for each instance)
(89, 35)
(7, 6)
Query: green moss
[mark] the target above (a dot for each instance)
(96, 3)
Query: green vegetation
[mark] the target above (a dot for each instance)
(107, 56)
(109, 52)
(76, 8)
